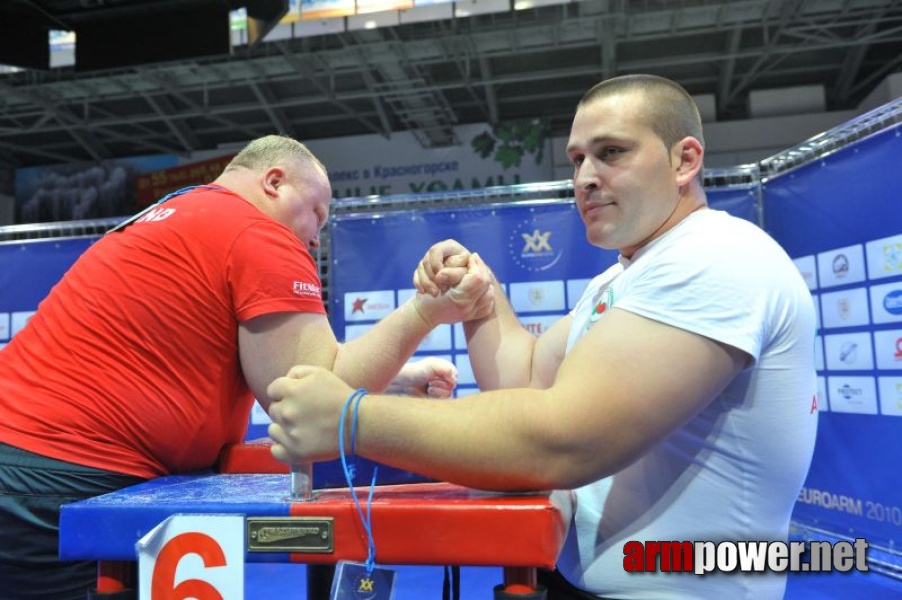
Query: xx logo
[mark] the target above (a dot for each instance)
(536, 241)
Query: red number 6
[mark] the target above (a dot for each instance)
(161, 586)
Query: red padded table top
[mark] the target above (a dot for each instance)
(440, 523)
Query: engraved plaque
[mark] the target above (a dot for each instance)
(290, 534)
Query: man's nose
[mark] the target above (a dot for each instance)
(586, 177)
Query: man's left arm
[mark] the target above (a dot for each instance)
(626, 385)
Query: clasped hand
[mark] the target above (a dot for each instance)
(453, 285)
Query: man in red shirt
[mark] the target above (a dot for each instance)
(145, 359)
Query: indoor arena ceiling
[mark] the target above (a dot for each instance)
(429, 76)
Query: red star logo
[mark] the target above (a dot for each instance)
(358, 305)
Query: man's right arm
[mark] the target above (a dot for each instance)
(502, 352)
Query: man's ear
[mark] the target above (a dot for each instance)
(272, 180)
(688, 158)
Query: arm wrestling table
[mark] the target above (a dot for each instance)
(429, 523)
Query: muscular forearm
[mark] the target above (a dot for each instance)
(520, 447)
(500, 348)
(372, 360)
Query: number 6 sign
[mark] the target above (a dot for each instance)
(193, 556)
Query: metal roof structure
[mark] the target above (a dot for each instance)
(503, 65)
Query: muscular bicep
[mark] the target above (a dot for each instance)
(630, 382)
(271, 344)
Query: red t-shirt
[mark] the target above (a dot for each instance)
(131, 362)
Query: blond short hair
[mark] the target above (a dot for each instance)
(274, 150)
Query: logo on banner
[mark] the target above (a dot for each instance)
(357, 306)
(844, 308)
(892, 302)
(532, 247)
(848, 353)
(536, 296)
(898, 353)
(892, 255)
(536, 242)
(848, 392)
(840, 266)
(368, 305)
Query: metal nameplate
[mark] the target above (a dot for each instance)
(290, 534)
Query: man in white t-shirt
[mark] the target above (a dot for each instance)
(676, 399)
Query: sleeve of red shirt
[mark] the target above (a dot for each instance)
(269, 271)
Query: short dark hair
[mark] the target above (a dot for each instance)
(669, 109)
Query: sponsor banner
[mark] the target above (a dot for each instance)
(807, 266)
(886, 302)
(537, 296)
(150, 187)
(849, 352)
(849, 490)
(370, 305)
(852, 395)
(4, 326)
(888, 349)
(371, 165)
(884, 257)
(845, 309)
(890, 396)
(841, 266)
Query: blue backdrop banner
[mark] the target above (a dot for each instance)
(841, 220)
(537, 249)
(29, 270)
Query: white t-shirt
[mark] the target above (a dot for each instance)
(734, 471)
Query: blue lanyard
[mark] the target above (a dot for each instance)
(151, 207)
